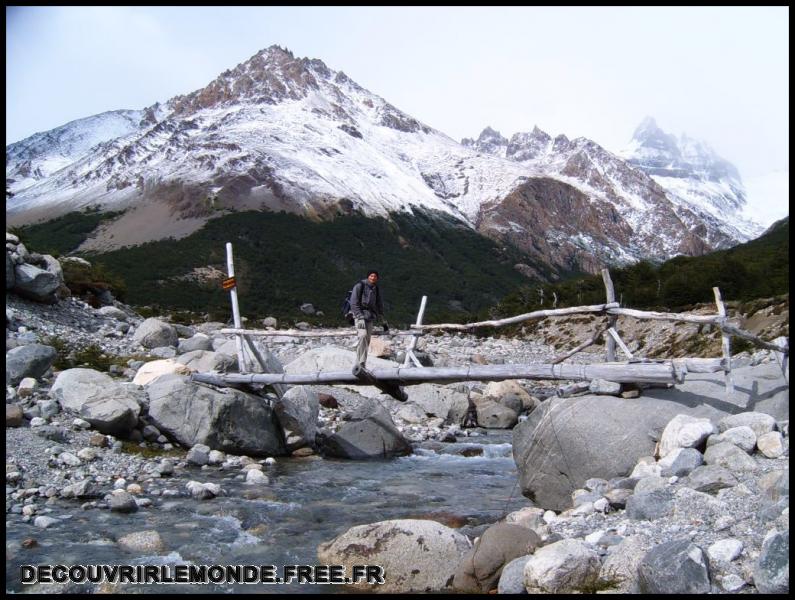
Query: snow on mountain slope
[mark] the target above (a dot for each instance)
(282, 133)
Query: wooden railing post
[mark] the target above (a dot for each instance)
(611, 320)
(726, 342)
(230, 266)
(413, 341)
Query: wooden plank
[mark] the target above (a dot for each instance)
(582, 346)
(230, 266)
(642, 372)
(658, 316)
(614, 334)
(413, 342)
(311, 334)
(725, 342)
(538, 314)
(610, 294)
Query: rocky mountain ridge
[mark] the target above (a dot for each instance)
(282, 133)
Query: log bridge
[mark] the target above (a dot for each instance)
(634, 370)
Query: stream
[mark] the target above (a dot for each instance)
(464, 485)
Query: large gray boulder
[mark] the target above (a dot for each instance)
(153, 333)
(372, 434)
(416, 555)
(204, 361)
(297, 412)
(73, 387)
(771, 570)
(36, 284)
(31, 360)
(439, 401)
(229, 420)
(567, 440)
(566, 566)
(675, 567)
(115, 411)
(481, 567)
(10, 276)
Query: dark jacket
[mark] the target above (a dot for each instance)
(370, 307)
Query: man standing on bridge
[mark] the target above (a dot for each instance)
(366, 306)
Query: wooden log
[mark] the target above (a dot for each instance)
(610, 293)
(658, 316)
(266, 368)
(582, 346)
(736, 331)
(311, 334)
(640, 372)
(726, 342)
(413, 342)
(700, 365)
(230, 266)
(614, 334)
(538, 314)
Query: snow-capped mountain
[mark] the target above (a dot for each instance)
(693, 175)
(282, 133)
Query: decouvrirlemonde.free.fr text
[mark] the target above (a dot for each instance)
(193, 574)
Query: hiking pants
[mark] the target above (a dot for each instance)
(364, 342)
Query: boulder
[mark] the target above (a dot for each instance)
(115, 411)
(31, 360)
(494, 415)
(566, 441)
(619, 572)
(675, 567)
(297, 412)
(113, 313)
(771, 570)
(230, 420)
(761, 423)
(371, 435)
(153, 333)
(200, 341)
(564, 566)
(36, 284)
(73, 386)
(685, 431)
(447, 403)
(204, 361)
(10, 273)
(331, 358)
(512, 576)
(481, 567)
(156, 368)
(416, 555)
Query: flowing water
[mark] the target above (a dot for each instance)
(308, 501)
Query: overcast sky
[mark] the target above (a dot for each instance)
(718, 74)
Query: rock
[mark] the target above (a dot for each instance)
(513, 390)
(198, 455)
(115, 411)
(200, 341)
(153, 333)
(73, 386)
(685, 431)
(480, 568)
(14, 416)
(562, 567)
(416, 555)
(771, 570)
(604, 388)
(112, 312)
(619, 571)
(31, 360)
(680, 462)
(743, 437)
(122, 501)
(675, 567)
(330, 358)
(231, 421)
(439, 401)
(725, 550)
(512, 576)
(650, 505)
(44, 522)
(771, 444)
(255, 476)
(568, 440)
(143, 542)
(529, 517)
(493, 415)
(297, 411)
(154, 369)
(710, 478)
(729, 456)
(761, 423)
(204, 361)
(35, 284)
(373, 435)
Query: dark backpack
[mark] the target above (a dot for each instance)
(346, 304)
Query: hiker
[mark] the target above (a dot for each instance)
(366, 307)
